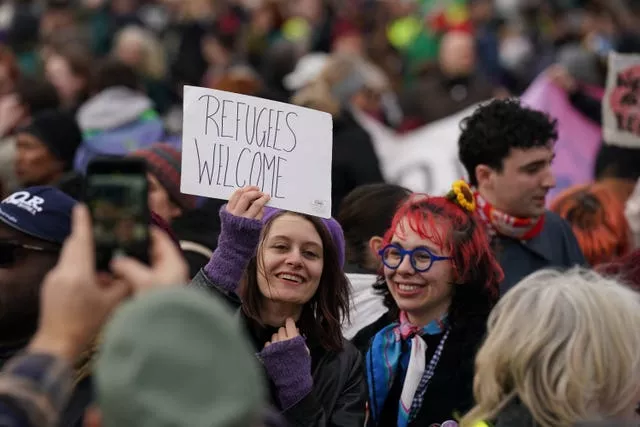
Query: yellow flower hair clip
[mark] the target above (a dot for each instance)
(461, 195)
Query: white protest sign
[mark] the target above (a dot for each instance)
(424, 160)
(621, 102)
(230, 141)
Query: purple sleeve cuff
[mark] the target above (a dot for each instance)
(239, 238)
(288, 364)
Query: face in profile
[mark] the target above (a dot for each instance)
(34, 163)
(521, 188)
(414, 291)
(290, 260)
(159, 200)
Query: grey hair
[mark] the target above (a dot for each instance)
(566, 344)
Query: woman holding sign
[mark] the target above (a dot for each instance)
(440, 282)
(284, 271)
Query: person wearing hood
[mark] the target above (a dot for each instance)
(119, 118)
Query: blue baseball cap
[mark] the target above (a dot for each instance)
(43, 212)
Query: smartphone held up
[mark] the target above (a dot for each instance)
(116, 193)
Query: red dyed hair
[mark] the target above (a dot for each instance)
(475, 267)
(597, 218)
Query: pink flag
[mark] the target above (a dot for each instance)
(578, 137)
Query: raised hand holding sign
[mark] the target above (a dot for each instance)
(248, 202)
(620, 112)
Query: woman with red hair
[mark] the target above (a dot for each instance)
(440, 281)
(597, 218)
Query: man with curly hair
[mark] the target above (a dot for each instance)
(507, 150)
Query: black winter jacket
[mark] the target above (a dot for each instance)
(339, 393)
(450, 393)
(354, 159)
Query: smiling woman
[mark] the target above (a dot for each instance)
(284, 272)
(440, 281)
(297, 274)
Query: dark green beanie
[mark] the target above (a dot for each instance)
(175, 358)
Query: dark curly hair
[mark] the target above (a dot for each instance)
(476, 270)
(495, 128)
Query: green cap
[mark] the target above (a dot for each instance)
(177, 357)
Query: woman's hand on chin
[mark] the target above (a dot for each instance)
(287, 332)
(287, 361)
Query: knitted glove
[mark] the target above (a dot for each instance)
(288, 364)
(239, 238)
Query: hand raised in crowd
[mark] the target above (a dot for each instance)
(168, 267)
(75, 301)
(248, 202)
(11, 113)
(561, 77)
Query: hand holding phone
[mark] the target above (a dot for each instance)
(167, 268)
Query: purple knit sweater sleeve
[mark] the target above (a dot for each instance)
(239, 238)
(288, 364)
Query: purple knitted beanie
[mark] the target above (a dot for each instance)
(334, 228)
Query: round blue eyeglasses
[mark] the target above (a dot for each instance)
(421, 258)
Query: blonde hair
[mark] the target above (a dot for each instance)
(567, 345)
(154, 62)
(317, 95)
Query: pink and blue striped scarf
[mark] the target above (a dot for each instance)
(399, 352)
